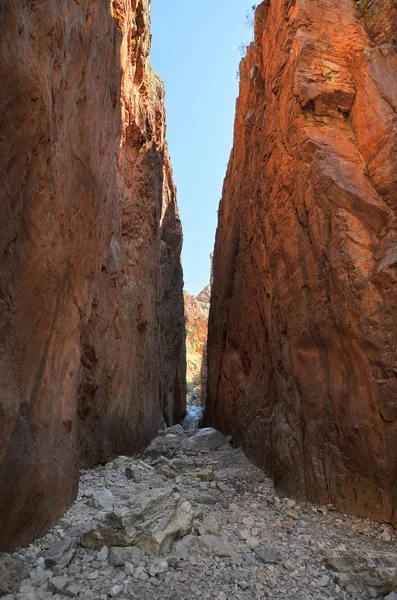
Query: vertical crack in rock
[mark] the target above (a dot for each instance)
(303, 331)
(92, 346)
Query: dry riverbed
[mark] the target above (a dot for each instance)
(193, 518)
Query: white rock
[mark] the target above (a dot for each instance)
(103, 499)
(103, 554)
(115, 591)
(40, 562)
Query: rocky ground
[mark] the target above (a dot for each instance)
(193, 518)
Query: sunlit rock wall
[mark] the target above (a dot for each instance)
(302, 349)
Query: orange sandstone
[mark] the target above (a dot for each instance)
(91, 306)
(302, 349)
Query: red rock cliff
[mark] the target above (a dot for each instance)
(303, 326)
(91, 305)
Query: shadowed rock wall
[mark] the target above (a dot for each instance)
(303, 327)
(91, 306)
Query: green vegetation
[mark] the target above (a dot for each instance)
(123, 200)
(361, 6)
(250, 17)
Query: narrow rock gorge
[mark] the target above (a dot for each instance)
(92, 345)
(196, 319)
(303, 328)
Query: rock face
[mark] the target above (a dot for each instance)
(196, 318)
(303, 326)
(91, 307)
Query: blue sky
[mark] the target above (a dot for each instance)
(196, 51)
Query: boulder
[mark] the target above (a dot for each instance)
(176, 430)
(204, 440)
(151, 522)
(164, 445)
(119, 556)
(375, 569)
(61, 553)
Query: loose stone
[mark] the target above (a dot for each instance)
(180, 538)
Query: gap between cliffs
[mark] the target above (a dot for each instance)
(302, 328)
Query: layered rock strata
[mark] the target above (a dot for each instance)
(303, 326)
(91, 308)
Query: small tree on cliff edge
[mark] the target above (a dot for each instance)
(250, 17)
(249, 23)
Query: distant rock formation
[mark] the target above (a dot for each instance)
(302, 349)
(92, 345)
(196, 318)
